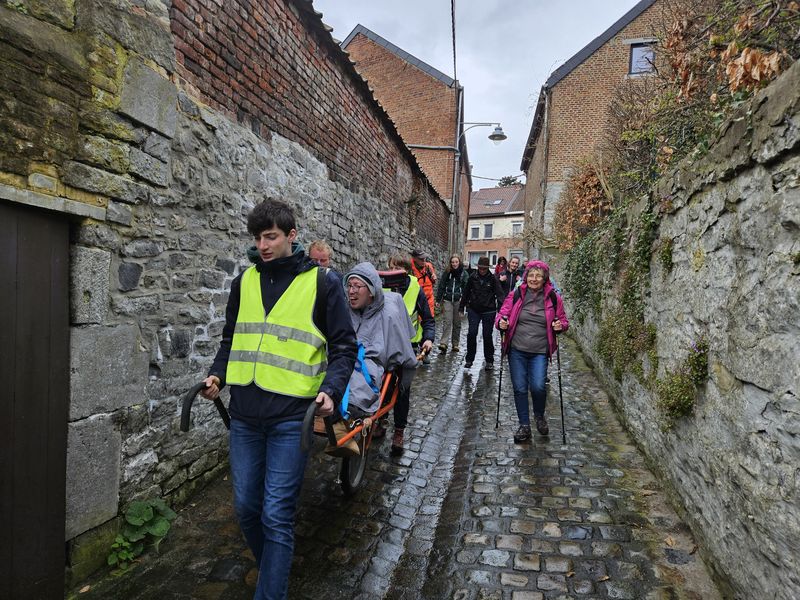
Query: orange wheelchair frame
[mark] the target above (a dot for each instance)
(351, 472)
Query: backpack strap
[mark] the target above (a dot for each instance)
(320, 315)
(517, 295)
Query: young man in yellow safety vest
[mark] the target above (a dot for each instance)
(287, 341)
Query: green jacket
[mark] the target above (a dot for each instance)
(451, 285)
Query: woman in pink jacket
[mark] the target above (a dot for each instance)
(531, 318)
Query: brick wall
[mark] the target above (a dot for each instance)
(422, 107)
(273, 68)
(580, 101)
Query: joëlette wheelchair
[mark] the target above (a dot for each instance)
(351, 472)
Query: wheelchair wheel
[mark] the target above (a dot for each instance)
(353, 468)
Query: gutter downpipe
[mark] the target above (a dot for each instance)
(455, 233)
(546, 127)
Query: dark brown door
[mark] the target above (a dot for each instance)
(34, 397)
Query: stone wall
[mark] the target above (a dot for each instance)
(95, 123)
(733, 217)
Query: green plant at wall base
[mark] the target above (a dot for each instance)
(678, 389)
(147, 522)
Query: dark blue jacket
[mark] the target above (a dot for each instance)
(251, 403)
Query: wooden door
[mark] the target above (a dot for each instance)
(34, 399)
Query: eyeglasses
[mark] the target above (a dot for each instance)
(354, 287)
(535, 276)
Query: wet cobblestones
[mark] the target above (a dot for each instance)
(464, 513)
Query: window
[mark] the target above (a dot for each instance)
(516, 228)
(493, 258)
(474, 232)
(473, 258)
(515, 253)
(642, 59)
(487, 231)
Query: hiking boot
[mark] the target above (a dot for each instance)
(523, 434)
(378, 430)
(397, 442)
(443, 347)
(489, 366)
(456, 348)
(349, 448)
(541, 425)
(468, 364)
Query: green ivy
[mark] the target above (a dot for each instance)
(581, 278)
(147, 522)
(678, 389)
(665, 254)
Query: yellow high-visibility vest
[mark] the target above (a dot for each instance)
(410, 300)
(283, 352)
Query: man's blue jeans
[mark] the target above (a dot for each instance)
(528, 372)
(485, 320)
(267, 466)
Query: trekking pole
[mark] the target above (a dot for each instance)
(500, 383)
(561, 396)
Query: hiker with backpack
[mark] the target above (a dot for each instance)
(531, 317)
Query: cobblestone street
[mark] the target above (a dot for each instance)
(464, 513)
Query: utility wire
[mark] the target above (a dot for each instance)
(453, 20)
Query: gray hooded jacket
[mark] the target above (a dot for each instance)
(385, 330)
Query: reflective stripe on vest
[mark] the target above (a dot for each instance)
(285, 352)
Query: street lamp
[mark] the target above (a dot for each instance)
(496, 136)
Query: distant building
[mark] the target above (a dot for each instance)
(572, 110)
(427, 108)
(496, 224)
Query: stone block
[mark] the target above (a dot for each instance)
(43, 182)
(102, 182)
(149, 168)
(158, 146)
(119, 213)
(93, 455)
(107, 154)
(149, 98)
(89, 276)
(109, 367)
(143, 33)
(129, 274)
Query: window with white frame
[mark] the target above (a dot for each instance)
(642, 59)
(516, 228)
(493, 258)
(474, 232)
(487, 231)
(473, 258)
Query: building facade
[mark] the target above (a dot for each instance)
(427, 106)
(496, 224)
(572, 108)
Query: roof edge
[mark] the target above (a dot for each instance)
(399, 52)
(591, 47)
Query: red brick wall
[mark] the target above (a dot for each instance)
(271, 66)
(580, 101)
(422, 107)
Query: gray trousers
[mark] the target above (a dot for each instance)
(451, 322)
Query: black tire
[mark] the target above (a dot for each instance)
(353, 468)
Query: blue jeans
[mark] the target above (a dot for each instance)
(267, 466)
(486, 320)
(528, 372)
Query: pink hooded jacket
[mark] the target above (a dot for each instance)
(511, 309)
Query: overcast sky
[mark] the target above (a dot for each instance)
(506, 49)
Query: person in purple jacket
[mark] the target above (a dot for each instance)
(531, 317)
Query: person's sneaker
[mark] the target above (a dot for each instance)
(468, 364)
(397, 442)
(541, 425)
(456, 348)
(349, 448)
(523, 434)
(443, 347)
(489, 366)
